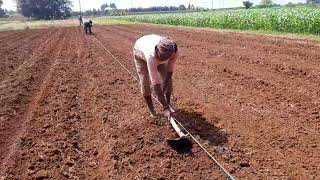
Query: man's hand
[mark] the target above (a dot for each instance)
(166, 81)
(171, 109)
(167, 113)
(160, 95)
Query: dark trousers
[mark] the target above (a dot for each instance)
(87, 29)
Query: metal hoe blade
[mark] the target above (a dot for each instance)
(181, 144)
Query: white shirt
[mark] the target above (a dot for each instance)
(145, 47)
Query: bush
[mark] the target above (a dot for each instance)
(247, 4)
(2, 13)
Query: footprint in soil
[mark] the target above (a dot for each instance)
(196, 124)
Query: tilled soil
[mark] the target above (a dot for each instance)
(70, 111)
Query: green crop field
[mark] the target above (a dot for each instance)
(304, 19)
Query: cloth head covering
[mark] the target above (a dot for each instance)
(166, 47)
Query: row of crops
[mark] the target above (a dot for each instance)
(294, 20)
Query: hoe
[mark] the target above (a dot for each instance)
(182, 143)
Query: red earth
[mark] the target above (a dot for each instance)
(68, 110)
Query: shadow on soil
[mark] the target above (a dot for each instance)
(196, 124)
(181, 145)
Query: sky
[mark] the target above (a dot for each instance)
(123, 4)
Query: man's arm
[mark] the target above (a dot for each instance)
(158, 90)
(156, 83)
(167, 80)
(167, 73)
(164, 73)
(160, 95)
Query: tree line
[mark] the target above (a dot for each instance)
(45, 9)
(159, 8)
(61, 9)
(41, 9)
(2, 12)
(111, 9)
(269, 3)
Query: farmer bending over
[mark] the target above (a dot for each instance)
(155, 57)
(87, 26)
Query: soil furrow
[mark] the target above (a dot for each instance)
(18, 105)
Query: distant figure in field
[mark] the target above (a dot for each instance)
(155, 58)
(87, 26)
(80, 20)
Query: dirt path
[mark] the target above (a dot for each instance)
(70, 111)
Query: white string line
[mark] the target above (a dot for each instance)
(126, 70)
(223, 169)
(229, 176)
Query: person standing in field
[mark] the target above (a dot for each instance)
(80, 20)
(155, 58)
(87, 25)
